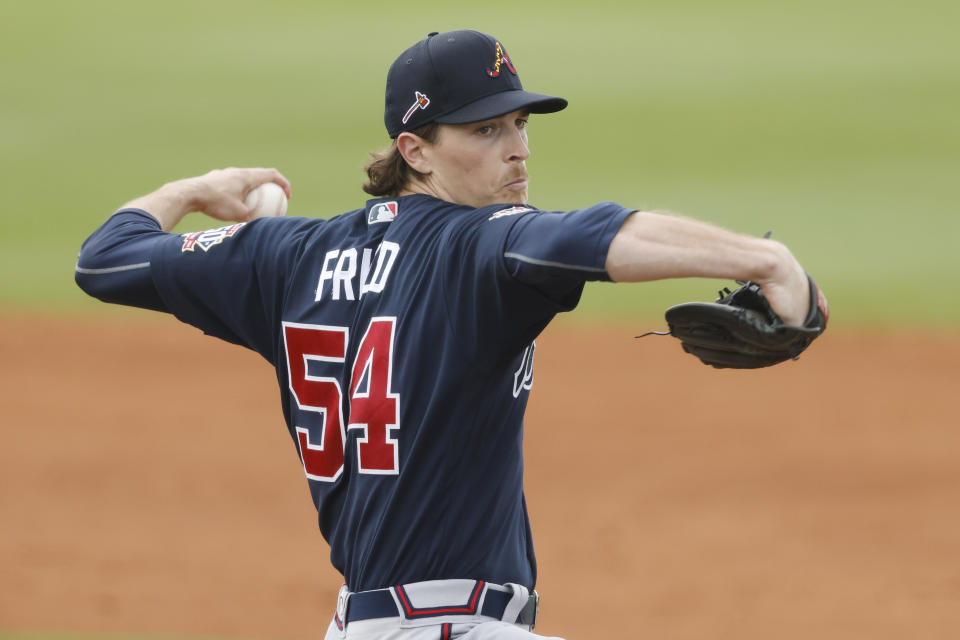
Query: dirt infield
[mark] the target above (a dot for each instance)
(147, 485)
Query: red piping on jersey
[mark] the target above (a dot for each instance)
(470, 607)
(445, 631)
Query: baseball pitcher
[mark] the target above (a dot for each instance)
(403, 332)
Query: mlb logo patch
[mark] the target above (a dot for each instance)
(209, 238)
(382, 212)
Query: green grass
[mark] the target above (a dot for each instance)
(832, 123)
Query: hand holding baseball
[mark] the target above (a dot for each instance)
(220, 194)
(267, 200)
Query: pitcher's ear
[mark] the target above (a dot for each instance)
(416, 151)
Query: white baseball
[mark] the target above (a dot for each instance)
(267, 200)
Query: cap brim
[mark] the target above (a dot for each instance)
(498, 104)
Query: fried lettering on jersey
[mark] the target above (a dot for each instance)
(340, 271)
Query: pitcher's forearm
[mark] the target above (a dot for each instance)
(653, 246)
(170, 203)
(219, 194)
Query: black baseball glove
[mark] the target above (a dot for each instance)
(741, 331)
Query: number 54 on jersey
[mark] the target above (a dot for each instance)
(316, 356)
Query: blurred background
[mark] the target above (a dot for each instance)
(833, 124)
(812, 500)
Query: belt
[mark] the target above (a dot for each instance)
(382, 603)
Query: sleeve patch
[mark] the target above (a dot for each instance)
(209, 238)
(512, 211)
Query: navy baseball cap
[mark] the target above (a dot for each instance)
(456, 77)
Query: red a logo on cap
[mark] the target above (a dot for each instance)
(502, 58)
(422, 102)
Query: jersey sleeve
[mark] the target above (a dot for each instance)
(556, 252)
(230, 282)
(114, 262)
(510, 273)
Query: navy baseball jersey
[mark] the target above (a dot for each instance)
(403, 340)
